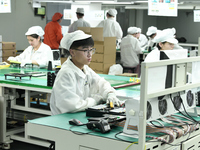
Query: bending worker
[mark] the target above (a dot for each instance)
(80, 22)
(77, 86)
(111, 27)
(53, 31)
(37, 53)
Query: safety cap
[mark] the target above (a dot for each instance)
(112, 12)
(132, 30)
(35, 30)
(151, 30)
(80, 10)
(69, 38)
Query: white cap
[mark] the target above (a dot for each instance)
(69, 38)
(151, 30)
(139, 30)
(112, 12)
(170, 30)
(132, 30)
(80, 10)
(165, 36)
(35, 30)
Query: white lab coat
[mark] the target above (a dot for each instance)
(143, 40)
(75, 90)
(111, 28)
(130, 48)
(153, 56)
(79, 23)
(42, 56)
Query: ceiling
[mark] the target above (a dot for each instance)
(129, 4)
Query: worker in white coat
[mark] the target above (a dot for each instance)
(111, 27)
(165, 41)
(151, 33)
(77, 86)
(142, 38)
(80, 22)
(37, 53)
(130, 48)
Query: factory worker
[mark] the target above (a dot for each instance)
(37, 53)
(151, 33)
(80, 22)
(53, 31)
(173, 31)
(111, 27)
(142, 38)
(165, 41)
(77, 86)
(130, 48)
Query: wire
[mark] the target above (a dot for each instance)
(79, 133)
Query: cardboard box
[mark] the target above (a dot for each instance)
(108, 49)
(100, 67)
(101, 58)
(107, 41)
(5, 59)
(97, 34)
(85, 29)
(8, 45)
(0, 38)
(9, 52)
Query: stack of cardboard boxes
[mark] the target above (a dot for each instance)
(7, 49)
(105, 54)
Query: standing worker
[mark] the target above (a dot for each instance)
(130, 48)
(111, 27)
(80, 22)
(37, 53)
(77, 86)
(53, 31)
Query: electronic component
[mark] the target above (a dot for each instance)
(102, 125)
(50, 78)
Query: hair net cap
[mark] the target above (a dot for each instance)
(35, 30)
(80, 10)
(112, 12)
(151, 30)
(139, 30)
(165, 36)
(69, 38)
(132, 30)
(56, 16)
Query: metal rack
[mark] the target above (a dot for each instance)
(145, 95)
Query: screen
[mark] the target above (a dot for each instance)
(40, 11)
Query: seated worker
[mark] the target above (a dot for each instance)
(165, 41)
(142, 38)
(77, 86)
(37, 53)
(130, 48)
(151, 33)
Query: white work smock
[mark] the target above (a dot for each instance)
(153, 56)
(42, 56)
(143, 40)
(75, 89)
(130, 48)
(79, 23)
(111, 28)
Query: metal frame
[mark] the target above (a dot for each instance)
(7, 135)
(144, 96)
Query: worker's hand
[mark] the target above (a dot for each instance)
(113, 99)
(25, 62)
(11, 58)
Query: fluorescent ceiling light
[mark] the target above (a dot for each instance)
(140, 1)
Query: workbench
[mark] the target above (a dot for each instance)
(30, 87)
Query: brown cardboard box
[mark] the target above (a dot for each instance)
(63, 59)
(107, 41)
(100, 67)
(97, 33)
(5, 59)
(107, 49)
(9, 52)
(8, 45)
(102, 58)
(85, 29)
